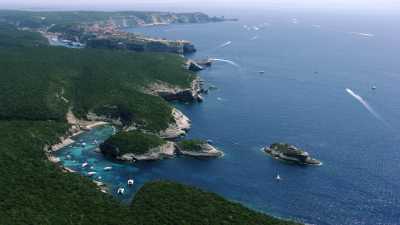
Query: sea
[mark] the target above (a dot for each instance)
(327, 82)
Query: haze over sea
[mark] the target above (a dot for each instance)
(311, 61)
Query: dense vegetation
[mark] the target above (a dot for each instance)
(131, 142)
(191, 145)
(11, 37)
(167, 203)
(41, 83)
(37, 86)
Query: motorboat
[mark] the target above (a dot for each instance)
(120, 191)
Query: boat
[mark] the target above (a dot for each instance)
(261, 72)
(107, 168)
(373, 87)
(83, 144)
(278, 178)
(131, 182)
(120, 191)
(85, 164)
(91, 173)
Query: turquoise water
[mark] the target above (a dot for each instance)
(301, 99)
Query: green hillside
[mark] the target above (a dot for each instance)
(37, 86)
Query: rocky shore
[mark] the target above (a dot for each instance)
(170, 150)
(77, 127)
(198, 65)
(203, 150)
(169, 93)
(178, 128)
(164, 151)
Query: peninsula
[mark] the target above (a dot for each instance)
(106, 30)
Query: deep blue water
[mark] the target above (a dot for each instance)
(300, 99)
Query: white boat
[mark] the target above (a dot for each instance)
(91, 173)
(107, 168)
(261, 72)
(120, 191)
(85, 164)
(131, 182)
(278, 178)
(83, 144)
(373, 87)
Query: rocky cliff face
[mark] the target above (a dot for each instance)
(134, 19)
(178, 128)
(206, 150)
(164, 151)
(141, 44)
(192, 94)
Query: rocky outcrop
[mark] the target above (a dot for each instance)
(169, 93)
(193, 66)
(178, 128)
(290, 153)
(164, 151)
(205, 150)
(198, 65)
(128, 41)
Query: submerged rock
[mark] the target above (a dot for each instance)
(290, 153)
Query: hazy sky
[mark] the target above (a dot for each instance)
(393, 5)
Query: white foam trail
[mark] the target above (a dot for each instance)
(225, 44)
(254, 38)
(367, 35)
(226, 61)
(366, 105)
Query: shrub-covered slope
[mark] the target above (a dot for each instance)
(134, 142)
(172, 203)
(37, 85)
(41, 83)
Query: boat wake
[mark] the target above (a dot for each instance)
(226, 44)
(366, 106)
(225, 61)
(367, 35)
